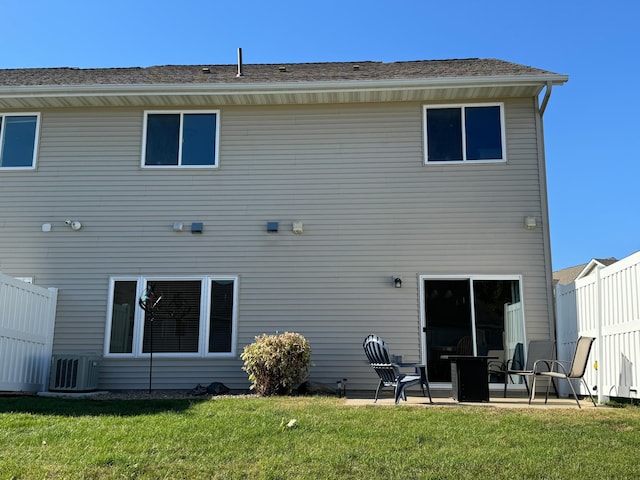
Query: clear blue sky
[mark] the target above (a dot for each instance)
(593, 167)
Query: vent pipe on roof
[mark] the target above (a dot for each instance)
(240, 74)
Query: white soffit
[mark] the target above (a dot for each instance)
(274, 94)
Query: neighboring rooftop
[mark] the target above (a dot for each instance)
(570, 274)
(267, 73)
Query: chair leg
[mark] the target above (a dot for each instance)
(532, 393)
(555, 388)
(506, 379)
(375, 399)
(428, 391)
(574, 392)
(400, 392)
(546, 396)
(584, 382)
(424, 382)
(526, 385)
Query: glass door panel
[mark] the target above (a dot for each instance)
(448, 322)
(498, 319)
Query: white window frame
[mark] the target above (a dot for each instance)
(204, 326)
(182, 113)
(464, 161)
(36, 139)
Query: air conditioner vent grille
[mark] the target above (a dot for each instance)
(74, 373)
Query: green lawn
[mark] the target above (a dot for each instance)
(48, 438)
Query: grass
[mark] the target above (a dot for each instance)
(238, 438)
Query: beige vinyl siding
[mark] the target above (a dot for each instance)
(354, 174)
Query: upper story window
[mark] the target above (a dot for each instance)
(18, 135)
(181, 139)
(464, 133)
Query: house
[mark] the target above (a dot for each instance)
(567, 275)
(406, 199)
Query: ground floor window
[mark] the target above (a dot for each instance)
(194, 317)
(470, 316)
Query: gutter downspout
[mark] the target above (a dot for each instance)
(542, 172)
(545, 100)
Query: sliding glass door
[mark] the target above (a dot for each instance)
(470, 316)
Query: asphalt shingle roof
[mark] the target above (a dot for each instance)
(568, 275)
(265, 73)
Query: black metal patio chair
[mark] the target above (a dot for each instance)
(389, 372)
(542, 351)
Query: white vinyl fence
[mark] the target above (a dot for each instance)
(604, 305)
(513, 328)
(27, 318)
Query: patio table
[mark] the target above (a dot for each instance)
(469, 377)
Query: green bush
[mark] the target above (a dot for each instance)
(277, 363)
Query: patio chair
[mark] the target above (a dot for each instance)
(465, 346)
(576, 369)
(538, 351)
(390, 376)
(498, 365)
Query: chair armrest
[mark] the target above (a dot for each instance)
(508, 365)
(416, 366)
(405, 364)
(497, 367)
(551, 364)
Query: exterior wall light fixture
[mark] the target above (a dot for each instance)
(397, 281)
(74, 224)
(530, 222)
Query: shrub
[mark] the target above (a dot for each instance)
(277, 363)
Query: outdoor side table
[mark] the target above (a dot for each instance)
(469, 377)
(421, 369)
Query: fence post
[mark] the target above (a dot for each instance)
(48, 350)
(600, 357)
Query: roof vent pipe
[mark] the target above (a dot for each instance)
(240, 74)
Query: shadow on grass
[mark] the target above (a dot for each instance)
(87, 407)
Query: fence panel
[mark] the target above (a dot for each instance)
(27, 318)
(605, 305)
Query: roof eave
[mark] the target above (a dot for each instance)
(244, 91)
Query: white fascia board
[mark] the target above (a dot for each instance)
(589, 268)
(277, 88)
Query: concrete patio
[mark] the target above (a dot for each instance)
(495, 401)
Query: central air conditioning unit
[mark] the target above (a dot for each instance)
(74, 373)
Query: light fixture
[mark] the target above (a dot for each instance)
(74, 224)
(397, 281)
(530, 222)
